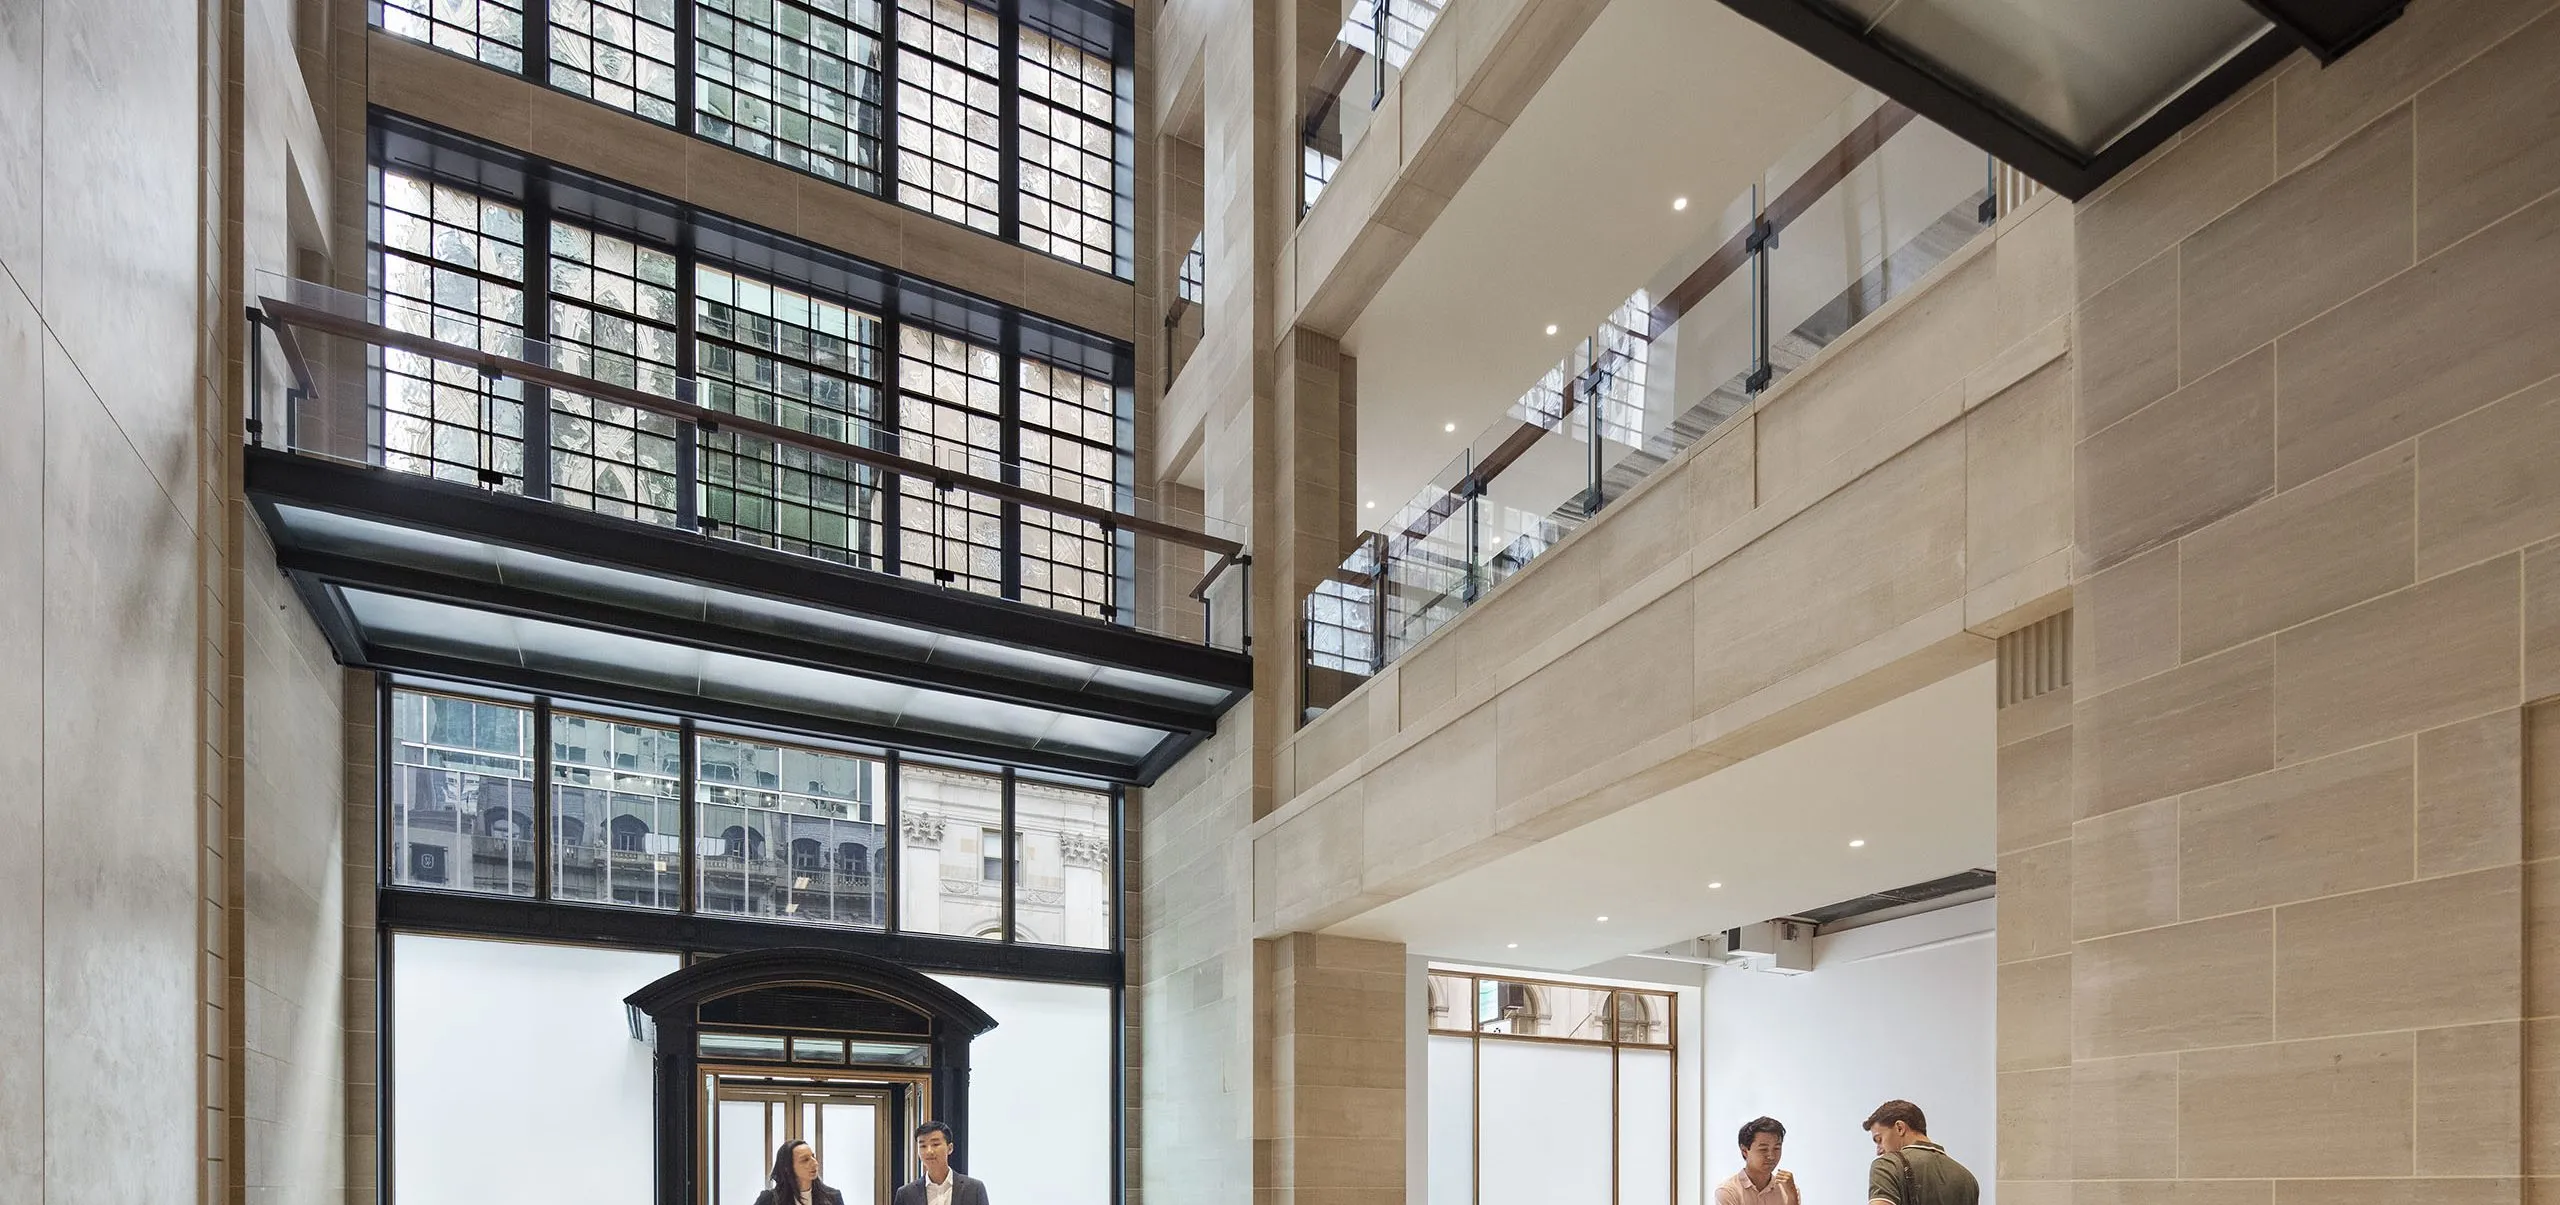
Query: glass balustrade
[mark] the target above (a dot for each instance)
(1855, 214)
(791, 436)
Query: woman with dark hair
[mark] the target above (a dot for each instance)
(795, 1178)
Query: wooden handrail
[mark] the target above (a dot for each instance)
(287, 314)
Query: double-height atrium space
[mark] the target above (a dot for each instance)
(1280, 602)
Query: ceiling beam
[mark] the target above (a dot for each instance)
(2330, 28)
(2326, 28)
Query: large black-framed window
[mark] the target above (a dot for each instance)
(481, 246)
(620, 53)
(490, 31)
(807, 362)
(613, 316)
(794, 81)
(499, 795)
(1075, 152)
(1014, 118)
(449, 263)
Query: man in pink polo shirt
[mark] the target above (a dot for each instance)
(1760, 1182)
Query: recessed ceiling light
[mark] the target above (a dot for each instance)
(1551, 328)
(1714, 886)
(1450, 427)
(1858, 844)
(1604, 920)
(1513, 946)
(1373, 504)
(1678, 203)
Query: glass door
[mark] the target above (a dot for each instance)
(850, 1123)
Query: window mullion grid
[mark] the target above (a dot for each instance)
(870, 554)
(484, 431)
(1124, 147)
(1123, 604)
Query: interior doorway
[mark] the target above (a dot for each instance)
(854, 1124)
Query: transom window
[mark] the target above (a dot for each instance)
(756, 826)
(1017, 128)
(617, 819)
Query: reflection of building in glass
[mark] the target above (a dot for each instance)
(617, 828)
(951, 849)
(782, 831)
(461, 794)
(788, 833)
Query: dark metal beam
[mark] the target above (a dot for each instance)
(408, 500)
(2330, 28)
(628, 928)
(1971, 115)
(523, 602)
(2009, 135)
(329, 611)
(747, 715)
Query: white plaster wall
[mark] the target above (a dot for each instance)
(515, 1077)
(1902, 1009)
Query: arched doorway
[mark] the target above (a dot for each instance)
(845, 1052)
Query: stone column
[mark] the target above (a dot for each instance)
(2034, 838)
(1330, 1113)
(1311, 428)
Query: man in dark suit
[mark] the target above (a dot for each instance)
(940, 1185)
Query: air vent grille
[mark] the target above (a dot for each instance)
(2035, 659)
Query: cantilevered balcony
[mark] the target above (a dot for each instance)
(1865, 204)
(702, 544)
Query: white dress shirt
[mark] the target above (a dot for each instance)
(940, 1194)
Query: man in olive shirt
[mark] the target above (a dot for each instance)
(1909, 1169)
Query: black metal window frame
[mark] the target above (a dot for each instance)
(818, 55)
(493, 22)
(1103, 28)
(741, 472)
(951, 534)
(545, 914)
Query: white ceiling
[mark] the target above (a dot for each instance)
(1569, 214)
(1912, 778)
